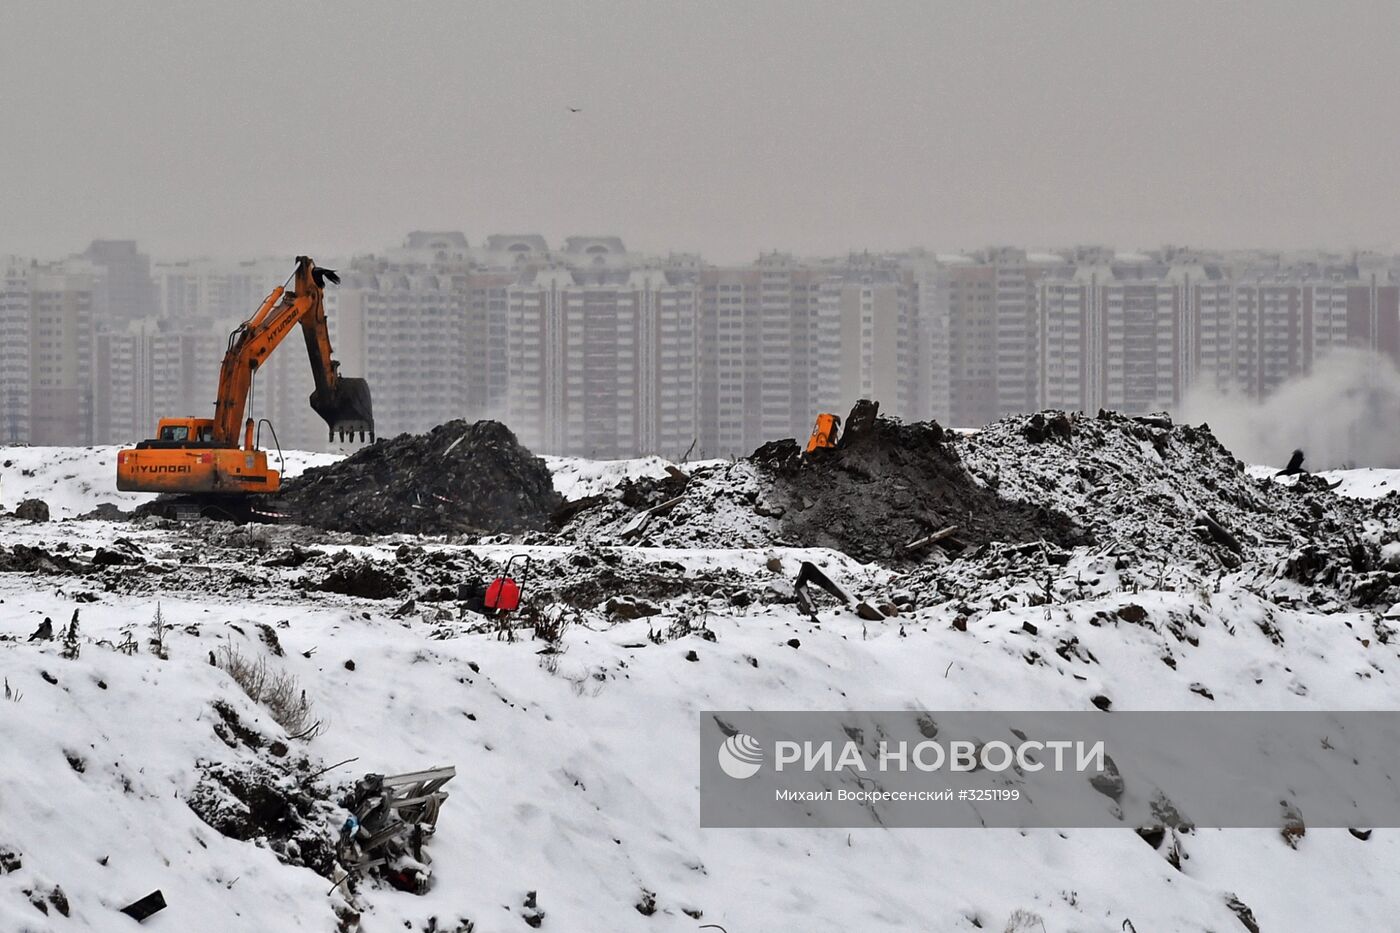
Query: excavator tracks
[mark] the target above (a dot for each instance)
(241, 510)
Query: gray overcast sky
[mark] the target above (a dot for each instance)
(252, 128)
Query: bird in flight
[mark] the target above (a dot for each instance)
(575, 109)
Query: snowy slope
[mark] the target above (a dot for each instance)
(581, 784)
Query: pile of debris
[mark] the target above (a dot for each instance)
(426, 575)
(1167, 509)
(24, 558)
(1027, 490)
(715, 506)
(459, 478)
(1146, 484)
(267, 795)
(886, 493)
(391, 818)
(278, 804)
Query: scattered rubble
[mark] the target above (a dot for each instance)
(1024, 490)
(32, 510)
(363, 577)
(278, 804)
(107, 512)
(139, 910)
(391, 819)
(1032, 509)
(457, 478)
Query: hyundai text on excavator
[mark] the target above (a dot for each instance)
(205, 458)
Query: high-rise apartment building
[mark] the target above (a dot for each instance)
(122, 409)
(1251, 328)
(930, 280)
(487, 359)
(155, 368)
(866, 339)
(217, 289)
(1016, 275)
(603, 366)
(1135, 333)
(61, 301)
(15, 362)
(971, 296)
(757, 348)
(1110, 335)
(125, 290)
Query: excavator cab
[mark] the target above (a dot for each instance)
(184, 431)
(824, 432)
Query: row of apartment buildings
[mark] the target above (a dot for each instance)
(590, 349)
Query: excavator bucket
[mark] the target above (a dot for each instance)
(346, 408)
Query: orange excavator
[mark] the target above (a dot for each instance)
(827, 433)
(214, 460)
(824, 432)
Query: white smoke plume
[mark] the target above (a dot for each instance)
(1342, 414)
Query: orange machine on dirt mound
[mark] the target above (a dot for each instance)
(206, 456)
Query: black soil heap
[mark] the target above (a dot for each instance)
(457, 478)
(889, 484)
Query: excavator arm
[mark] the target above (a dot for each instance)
(342, 401)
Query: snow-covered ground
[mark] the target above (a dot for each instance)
(1364, 483)
(577, 773)
(576, 477)
(75, 480)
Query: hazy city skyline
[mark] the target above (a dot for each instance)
(254, 129)
(586, 347)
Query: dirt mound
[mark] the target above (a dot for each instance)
(32, 510)
(889, 486)
(876, 497)
(457, 478)
(719, 506)
(1155, 486)
(1143, 489)
(1168, 508)
(363, 577)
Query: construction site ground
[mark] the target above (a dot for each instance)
(1091, 560)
